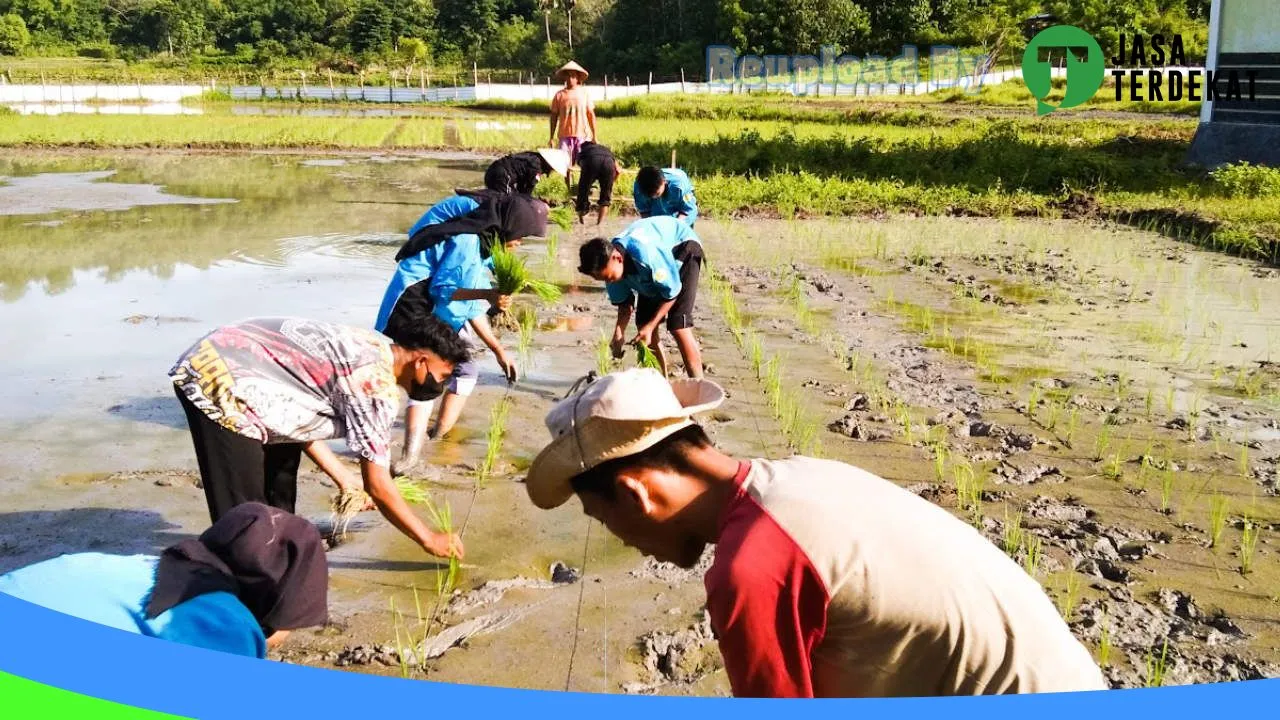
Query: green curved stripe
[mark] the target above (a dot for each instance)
(21, 699)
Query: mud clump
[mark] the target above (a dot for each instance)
(673, 574)
(1079, 206)
(1021, 471)
(683, 657)
(850, 427)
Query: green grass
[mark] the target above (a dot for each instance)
(1131, 169)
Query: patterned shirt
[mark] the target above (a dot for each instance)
(287, 380)
(831, 582)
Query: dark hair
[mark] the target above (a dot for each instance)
(671, 453)
(649, 179)
(415, 327)
(594, 255)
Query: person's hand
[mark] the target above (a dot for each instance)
(644, 335)
(445, 545)
(508, 365)
(616, 346)
(500, 301)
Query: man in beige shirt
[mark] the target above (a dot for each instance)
(828, 581)
(573, 115)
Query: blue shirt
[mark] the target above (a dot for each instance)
(676, 199)
(653, 270)
(113, 590)
(427, 264)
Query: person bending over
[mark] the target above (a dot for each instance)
(444, 271)
(240, 588)
(827, 580)
(598, 166)
(665, 191)
(258, 392)
(651, 269)
(520, 172)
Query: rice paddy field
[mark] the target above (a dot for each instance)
(1032, 324)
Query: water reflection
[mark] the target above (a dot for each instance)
(282, 206)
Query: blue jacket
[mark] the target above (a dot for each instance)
(113, 590)
(653, 270)
(447, 266)
(676, 199)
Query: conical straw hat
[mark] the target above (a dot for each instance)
(571, 66)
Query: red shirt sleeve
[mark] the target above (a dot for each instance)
(768, 605)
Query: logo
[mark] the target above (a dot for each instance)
(1084, 76)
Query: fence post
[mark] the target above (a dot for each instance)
(682, 88)
(650, 87)
(549, 95)
(475, 74)
(606, 86)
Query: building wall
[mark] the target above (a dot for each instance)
(1250, 26)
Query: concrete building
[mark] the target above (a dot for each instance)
(1244, 35)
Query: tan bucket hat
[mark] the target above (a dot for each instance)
(571, 66)
(556, 158)
(620, 414)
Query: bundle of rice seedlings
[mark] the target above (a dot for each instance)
(646, 358)
(562, 216)
(513, 276)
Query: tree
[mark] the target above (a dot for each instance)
(466, 24)
(14, 37)
(792, 26)
(411, 51)
(371, 27)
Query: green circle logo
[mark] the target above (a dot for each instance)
(1084, 77)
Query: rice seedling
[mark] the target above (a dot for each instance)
(1012, 534)
(1242, 461)
(442, 518)
(1054, 409)
(1147, 404)
(904, 421)
(401, 651)
(756, 354)
(1248, 544)
(493, 436)
(513, 276)
(1070, 596)
(1168, 399)
(344, 508)
(1033, 400)
(412, 491)
(1104, 646)
(1112, 467)
(527, 322)
(1102, 443)
(1033, 553)
(1166, 489)
(1072, 419)
(646, 357)
(1218, 509)
(604, 354)
(552, 251)
(939, 461)
(1156, 667)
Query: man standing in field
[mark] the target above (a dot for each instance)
(651, 270)
(573, 115)
(828, 581)
(665, 191)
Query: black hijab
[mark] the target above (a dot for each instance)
(503, 216)
(273, 561)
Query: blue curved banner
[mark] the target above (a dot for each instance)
(99, 662)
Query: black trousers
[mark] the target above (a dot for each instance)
(235, 469)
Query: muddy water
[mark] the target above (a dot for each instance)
(97, 303)
(1106, 388)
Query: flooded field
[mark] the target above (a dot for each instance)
(1101, 402)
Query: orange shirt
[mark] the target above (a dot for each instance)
(571, 107)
